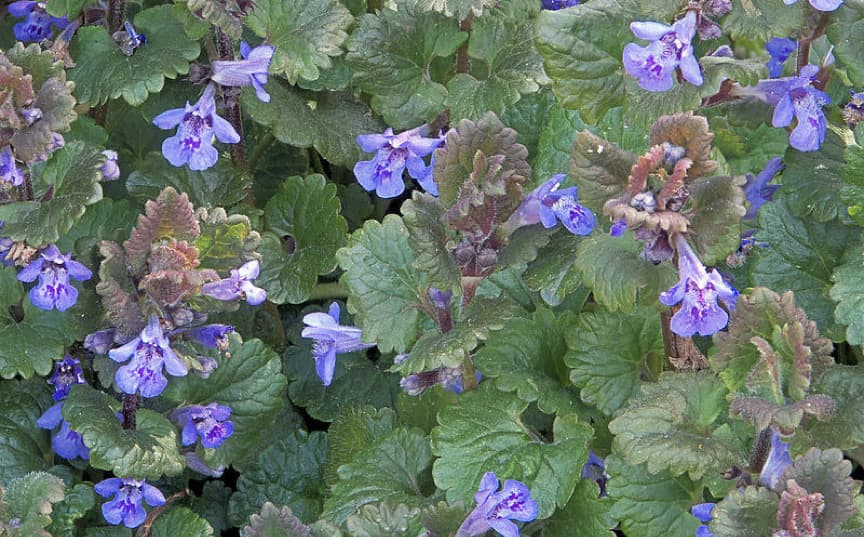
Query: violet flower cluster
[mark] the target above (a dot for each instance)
(395, 153)
(497, 510)
(779, 49)
(776, 463)
(331, 339)
(758, 191)
(702, 511)
(819, 5)
(555, 5)
(37, 22)
(209, 423)
(654, 64)
(54, 270)
(149, 352)
(66, 442)
(9, 172)
(251, 70)
(129, 494)
(238, 285)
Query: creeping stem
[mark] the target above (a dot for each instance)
(463, 64)
(116, 15)
(225, 50)
(130, 406)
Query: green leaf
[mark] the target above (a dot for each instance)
(422, 218)
(852, 193)
(557, 137)
(148, 452)
(434, 350)
(250, 382)
(845, 429)
(846, 33)
(212, 504)
(554, 271)
(527, 357)
(29, 500)
(525, 117)
(848, 292)
(289, 472)
(717, 205)
(65, 8)
(104, 220)
(600, 169)
(75, 506)
(651, 505)
(221, 185)
(305, 212)
(764, 19)
(484, 432)
(225, 242)
(382, 520)
(72, 176)
(383, 285)
(612, 268)
(23, 447)
(353, 431)
(391, 54)
(812, 181)
(675, 426)
(827, 472)
(609, 352)
(746, 150)
(306, 33)
(394, 469)
(585, 515)
(181, 521)
(747, 512)
(275, 522)
(103, 72)
(504, 41)
(802, 257)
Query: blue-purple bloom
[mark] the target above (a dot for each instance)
(126, 508)
(776, 464)
(395, 153)
(250, 71)
(66, 442)
(497, 509)
(702, 511)
(54, 270)
(595, 469)
(757, 189)
(37, 24)
(779, 48)
(196, 127)
(9, 172)
(819, 5)
(214, 336)
(209, 422)
(149, 352)
(653, 65)
(547, 205)
(555, 5)
(129, 39)
(67, 372)
(698, 291)
(238, 285)
(330, 338)
(618, 228)
(110, 170)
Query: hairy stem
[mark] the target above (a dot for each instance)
(680, 351)
(116, 15)
(130, 407)
(144, 529)
(463, 63)
(803, 58)
(225, 50)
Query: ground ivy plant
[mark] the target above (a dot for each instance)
(438, 268)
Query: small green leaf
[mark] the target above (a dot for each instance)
(382, 520)
(181, 521)
(383, 285)
(148, 452)
(764, 19)
(305, 213)
(72, 177)
(848, 292)
(717, 205)
(852, 192)
(600, 169)
(585, 515)
(484, 432)
(75, 506)
(219, 186)
(609, 352)
(554, 271)
(103, 72)
(434, 350)
(289, 472)
(747, 512)
(813, 181)
(845, 429)
(275, 522)
(846, 33)
(353, 431)
(557, 137)
(29, 500)
(422, 217)
(651, 505)
(23, 447)
(65, 8)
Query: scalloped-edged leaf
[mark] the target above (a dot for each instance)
(527, 356)
(383, 285)
(845, 429)
(148, 452)
(718, 205)
(747, 512)
(103, 72)
(169, 215)
(29, 499)
(600, 169)
(354, 430)
(813, 181)
(827, 472)
(250, 382)
(394, 469)
(746, 150)
(484, 432)
(846, 33)
(554, 271)
(610, 352)
(380, 520)
(848, 292)
(306, 231)
(391, 53)
(23, 447)
(226, 14)
(585, 515)
(275, 522)
(218, 186)
(852, 192)
(104, 220)
(556, 138)
(802, 256)
(675, 426)
(612, 268)
(72, 176)
(764, 19)
(651, 505)
(422, 218)
(181, 521)
(226, 242)
(289, 472)
(434, 350)
(78, 502)
(306, 33)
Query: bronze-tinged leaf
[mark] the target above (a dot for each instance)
(826, 473)
(690, 132)
(170, 216)
(118, 294)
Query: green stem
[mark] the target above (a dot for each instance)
(328, 290)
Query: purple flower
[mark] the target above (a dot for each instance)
(547, 205)
(126, 507)
(555, 5)
(110, 170)
(67, 372)
(129, 39)
(497, 510)
(779, 48)
(238, 285)
(819, 5)
(209, 422)
(149, 352)
(193, 143)
(654, 64)
(214, 336)
(100, 341)
(699, 292)
(66, 442)
(37, 25)
(250, 71)
(757, 189)
(9, 172)
(618, 228)
(775, 466)
(702, 511)
(395, 152)
(330, 338)
(54, 270)
(595, 470)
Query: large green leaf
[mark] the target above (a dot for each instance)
(383, 285)
(600, 169)
(846, 33)
(78, 502)
(554, 271)
(305, 213)
(148, 452)
(181, 521)
(221, 185)
(484, 432)
(717, 205)
(289, 472)
(23, 446)
(845, 429)
(764, 19)
(275, 522)
(422, 218)
(306, 33)
(382, 520)
(609, 352)
(585, 515)
(747, 512)
(848, 292)
(71, 178)
(29, 500)
(852, 193)
(557, 136)
(353, 431)
(103, 72)
(812, 181)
